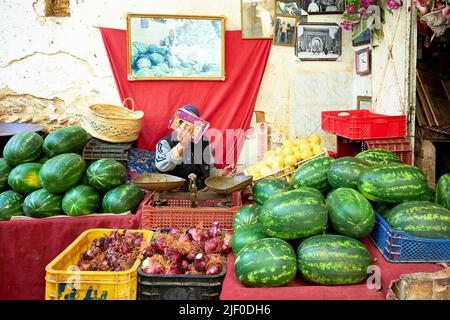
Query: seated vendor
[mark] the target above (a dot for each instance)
(178, 155)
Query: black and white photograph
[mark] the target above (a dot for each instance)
(323, 6)
(290, 8)
(318, 41)
(285, 30)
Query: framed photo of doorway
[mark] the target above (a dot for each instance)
(318, 41)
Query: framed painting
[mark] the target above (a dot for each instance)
(284, 32)
(318, 41)
(174, 47)
(257, 19)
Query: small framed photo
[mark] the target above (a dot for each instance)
(363, 38)
(174, 47)
(363, 103)
(362, 62)
(257, 19)
(290, 8)
(318, 41)
(323, 6)
(284, 34)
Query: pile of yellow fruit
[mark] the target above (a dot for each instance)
(286, 156)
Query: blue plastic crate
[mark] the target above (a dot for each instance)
(400, 246)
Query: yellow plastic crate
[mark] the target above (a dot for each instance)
(64, 284)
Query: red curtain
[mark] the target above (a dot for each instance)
(225, 104)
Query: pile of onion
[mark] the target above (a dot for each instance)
(194, 251)
(114, 252)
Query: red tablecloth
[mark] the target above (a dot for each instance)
(300, 290)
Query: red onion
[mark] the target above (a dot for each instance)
(226, 246)
(151, 268)
(160, 245)
(190, 256)
(99, 242)
(215, 269)
(183, 265)
(173, 255)
(200, 262)
(202, 237)
(186, 237)
(174, 231)
(173, 270)
(138, 241)
(212, 246)
(214, 231)
(83, 266)
(89, 255)
(193, 233)
(191, 270)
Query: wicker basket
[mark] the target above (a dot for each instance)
(437, 22)
(112, 123)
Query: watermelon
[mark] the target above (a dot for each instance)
(345, 172)
(106, 174)
(313, 174)
(11, 203)
(267, 262)
(22, 147)
(333, 260)
(5, 169)
(71, 139)
(383, 209)
(42, 204)
(62, 172)
(246, 215)
(378, 156)
(121, 199)
(245, 235)
(429, 195)
(267, 188)
(350, 213)
(81, 200)
(309, 191)
(393, 183)
(423, 219)
(442, 196)
(25, 177)
(43, 159)
(293, 215)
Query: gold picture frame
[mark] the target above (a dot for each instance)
(290, 21)
(169, 47)
(255, 22)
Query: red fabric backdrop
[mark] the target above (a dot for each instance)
(225, 104)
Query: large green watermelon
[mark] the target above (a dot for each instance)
(25, 177)
(313, 174)
(267, 262)
(442, 196)
(350, 213)
(429, 196)
(5, 169)
(106, 174)
(22, 147)
(81, 200)
(11, 203)
(423, 219)
(62, 172)
(293, 215)
(393, 183)
(309, 191)
(247, 215)
(378, 156)
(121, 199)
(245, 235)
(42, 204)
(333, 260)
(345, 172)
(267, 188)
(65, 140)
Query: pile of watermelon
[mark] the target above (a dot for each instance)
(325, 212)
(48, 177)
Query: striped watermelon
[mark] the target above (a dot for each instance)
(383, 209)
(429, 195)
(5, 169)
(22, 147)
(11, 203)
(309, 191)
(42, 204)
(121, 199)
(345, 172)
(267, 188)
(267, 262)
(293, 215)
(350, 213)
(422, 219)
(333, 260)
(71, 139)
(246, 215)
(378, 156)
(313, 174)
(245, 235)
(81, 200)
(443, 191)
(62, 172)
(25, 177)
(106, 174)
(393, 183)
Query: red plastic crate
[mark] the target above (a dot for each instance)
(363, 124)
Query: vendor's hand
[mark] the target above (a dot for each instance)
(229, 170)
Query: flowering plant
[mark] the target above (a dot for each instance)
(360, 15)
(427, 6)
